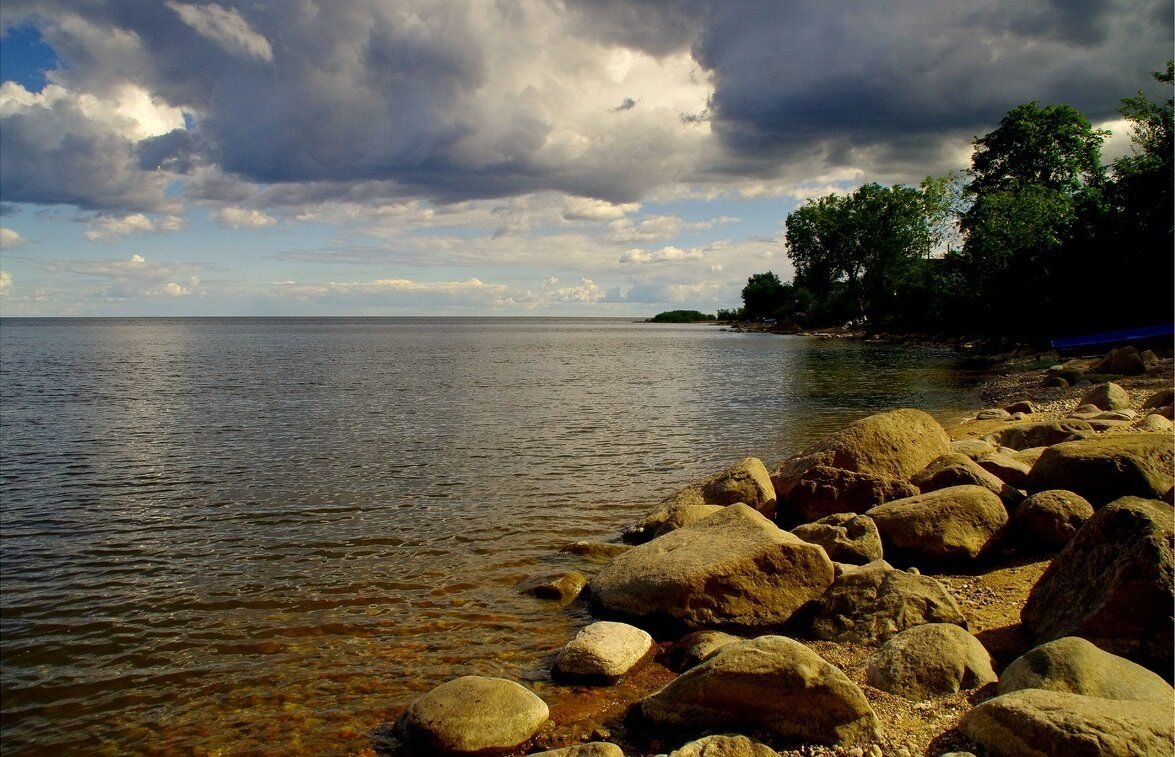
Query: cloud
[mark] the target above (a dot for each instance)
(586, 291)
(115, 227)
(663, 255)
(588, 209)
(133, 277)
(5, 283)
(225, 27)
(247, 218)
(10, 239)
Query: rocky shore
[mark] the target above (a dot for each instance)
(1003, 586)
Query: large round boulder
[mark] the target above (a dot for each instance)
(847, 538)
(928, 661)
(772, 684)
(893, 445)
(874, 602)
(472, 715)
(735, 568)
(821, 491)
(1112, 585)
(1037, 722)
(1048, 520)
(956, 469)
(1075, 665)
(1108, 396)
(603, 652)
(1105, 468)
(953, 525)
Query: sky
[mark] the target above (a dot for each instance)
(509, 157)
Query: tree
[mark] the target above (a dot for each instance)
(762, 295)
(944, 202)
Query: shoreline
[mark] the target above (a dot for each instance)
(991, 595)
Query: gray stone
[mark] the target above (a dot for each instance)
(697, 647)
(734, 568)
(954, 525)
(472, 715)
(1112, 584)
(1107, 396)
(846, 537)
(603, 652)
(1105, 468)
(563, 586)
(724, 746)
(875, 602)
(930, 660)
(773, 684)
(1075, 665)
(1036, 723)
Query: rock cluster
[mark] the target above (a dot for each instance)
(871, 509)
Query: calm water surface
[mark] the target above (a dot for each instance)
(268, 536)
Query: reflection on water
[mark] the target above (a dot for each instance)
(270, 535)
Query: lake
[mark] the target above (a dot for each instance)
(270, 535)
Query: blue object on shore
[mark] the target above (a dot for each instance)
(1141, 336)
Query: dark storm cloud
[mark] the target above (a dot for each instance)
(372, 99)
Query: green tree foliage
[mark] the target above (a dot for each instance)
(762, 296)
(681, 316)
(854, 252)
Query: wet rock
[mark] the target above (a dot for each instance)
(1075, 665)
(954, 525)
(1038, 722)
(697, 647)
(1106, 468)
(747, 481)
(1112, 585)
(846, 537)
(892, 445)
(953, 469)
(603, 652)
(821, 491)
(472, 715)
(773, 684)
(734, 568)
(595, 550)
(876, 601)
(563, 586)
(1107, 396)
(724, 746)
(928, 661)
(1049, 519)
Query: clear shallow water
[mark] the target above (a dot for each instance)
(269, 535)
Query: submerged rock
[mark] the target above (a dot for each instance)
(773, 684)
(563, 586)
(735, 568)
(472, 715)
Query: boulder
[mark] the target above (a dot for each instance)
(1027, 456)
(846, 537)
(1161, 398)
(875, 602)
(1112, 585)
(1042, 433)
(724, 746)
(1126, 361)
(747, 481)
(772, 684)
(603, 652)
(1055, 382)
(953, 525)
(821, 491)
(677, 516)
(892, 445)
(928, 661)
(1153, 424)
(1023, 406)
(1074, 665)
(595, 550)
(472, 715)
(953, 469)
(593, 749)
(697, 647)
(1109, 467)
(1037, 722)
(735, 568)
(1006, 468)
(972, 448)
(1107, 396)
(563, 586)
(1050, 519)
(993, 414)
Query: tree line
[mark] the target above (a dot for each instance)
(1037, 238)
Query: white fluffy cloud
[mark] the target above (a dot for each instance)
(243, 218)
(663, 255)
(107, 228)
(10, 239)
(225, 27)
(5, 283)
(132, 278)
